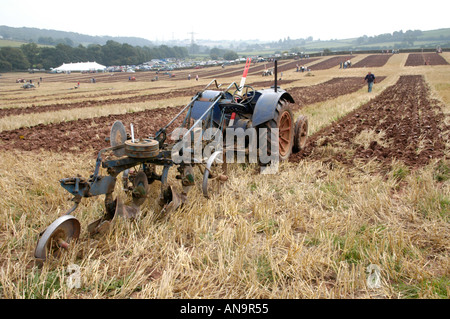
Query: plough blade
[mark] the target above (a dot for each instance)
(103, 224)
(170, 201)
(127, 211)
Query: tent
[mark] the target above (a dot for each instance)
(80, 67)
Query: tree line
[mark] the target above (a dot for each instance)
(54, 37)
(405, 38)
(31, 55)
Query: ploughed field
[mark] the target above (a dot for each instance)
(370, 188)
(330, 62)
(416, 59)
(376, 60)
(81, 135)
(403, 123)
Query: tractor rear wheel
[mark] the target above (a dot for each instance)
(284, 121)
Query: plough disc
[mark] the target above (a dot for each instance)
(215, 174)
(140, 188)
(58, 235)
(118, 136)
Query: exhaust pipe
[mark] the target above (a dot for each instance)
(276, 74)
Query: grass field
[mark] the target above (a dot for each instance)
(15, 44)
(316, 229)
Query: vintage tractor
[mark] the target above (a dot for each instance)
(28, 86)
(212, 115)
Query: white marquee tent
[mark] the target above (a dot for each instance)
(80, 66)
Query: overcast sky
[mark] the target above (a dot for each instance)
(227, 20)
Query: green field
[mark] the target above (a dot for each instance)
(16, 44)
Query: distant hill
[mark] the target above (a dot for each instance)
(397, 40)
(409, 39)
(405, 40)
(53, 37)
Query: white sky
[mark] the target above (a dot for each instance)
(227, 20)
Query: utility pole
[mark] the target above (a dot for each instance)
(192, 41)
(192, 36)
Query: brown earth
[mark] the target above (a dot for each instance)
(105, 102)
(326, 91)
(282, 66)
(406, 121)
(86, 134)
(372, 61)
(417, 59)
(330, 63)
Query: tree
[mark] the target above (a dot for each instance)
(111, 53)
(79, 54)
(128, 55)
(4, 65)
(31, 51)
(53, 57)
(94, 53)
(46, 40)
(15, 57)
(215, 53)
(230, 55)
(194, 49)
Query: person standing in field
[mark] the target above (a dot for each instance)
(370, 78)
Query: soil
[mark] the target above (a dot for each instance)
(86, 134)
(257, 69)
(103, 102)
(330, 63)
(409, 120)
(328, 90)
(373, 61)
(417, 59)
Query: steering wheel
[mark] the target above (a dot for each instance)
(246, 94)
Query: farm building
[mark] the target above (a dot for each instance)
(80, 67)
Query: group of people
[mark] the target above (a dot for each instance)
(30, 82)
(393, 51)
(345, 64)
(302, 68)
(189, 77)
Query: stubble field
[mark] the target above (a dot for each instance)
(369, 191)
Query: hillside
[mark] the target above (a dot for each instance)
(53, 37)
(410, 39)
